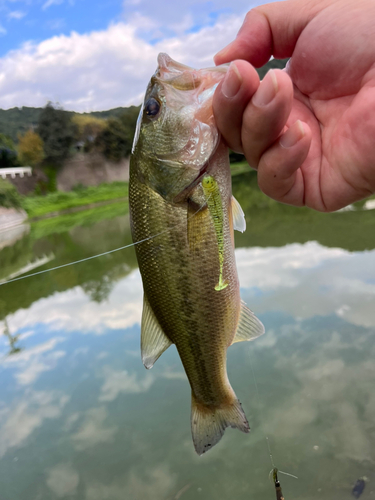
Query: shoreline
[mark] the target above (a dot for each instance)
(79, 208)
(11, 218)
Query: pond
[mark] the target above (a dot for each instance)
(81, 418)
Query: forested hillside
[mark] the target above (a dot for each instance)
(16, 121)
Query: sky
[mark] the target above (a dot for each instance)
(90, 55)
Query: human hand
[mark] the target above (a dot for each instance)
(309, 130)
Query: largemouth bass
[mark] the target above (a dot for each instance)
(182, 210)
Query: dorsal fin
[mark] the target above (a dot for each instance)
(249, 326)
(153, 340)
(239, 222)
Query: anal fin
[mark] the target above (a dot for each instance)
(249, 326)
(153, 340)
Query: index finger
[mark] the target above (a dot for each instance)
(271, 29)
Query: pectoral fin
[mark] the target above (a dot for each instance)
(249, 327)
(196, 218)
(153, 340)
(239, 222)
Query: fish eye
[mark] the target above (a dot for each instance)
(152, 107)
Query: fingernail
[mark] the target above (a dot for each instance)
(232, 81)
(220, 57)
(292, 135)
(267, 89)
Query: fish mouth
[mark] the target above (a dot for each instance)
(202, 84)
(183, 77)
(184, 194)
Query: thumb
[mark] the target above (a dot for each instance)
(270, 30)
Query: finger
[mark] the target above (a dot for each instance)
(271, 29)
(231, 99)
(266, 115)
(279, 173)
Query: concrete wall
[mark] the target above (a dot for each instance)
(87, 169)
(10, 218)
(26, 184)
(90, 170)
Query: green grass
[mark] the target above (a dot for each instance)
(36, 206)
(63, 223)
(39, 205)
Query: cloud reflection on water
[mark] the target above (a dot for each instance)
(93, 430)
(22, 417)
(120, 381)
(314, 368)
(271, 277)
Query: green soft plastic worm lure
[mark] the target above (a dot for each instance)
(213, 200)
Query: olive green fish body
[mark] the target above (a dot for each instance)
(186, 258)
(179, 282)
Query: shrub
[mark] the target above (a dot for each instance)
(9, 196)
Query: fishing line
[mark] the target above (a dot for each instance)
(102, 254)
(261, 425)
(259, 403)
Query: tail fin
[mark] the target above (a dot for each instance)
(208, 423)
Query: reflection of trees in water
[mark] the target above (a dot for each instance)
(13, 339)
(16, 256)
(99, 290)
(272, 224)
(93, 276)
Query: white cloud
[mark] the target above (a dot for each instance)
(120, 381)
(55, 24)
(93, 430)
(34, 361)
(36, 367)
(284, 264)
(48, 3)
(3, 31)
(63, 480)
(102, 69)
(74, 311)
(151, 482)
(16, 14)
(326, 280)
(19, 421)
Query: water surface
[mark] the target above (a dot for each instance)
(81, 418)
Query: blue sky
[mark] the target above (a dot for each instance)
(38, 20)
(92, 55)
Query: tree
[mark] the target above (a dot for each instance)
(30, 148)
(88, 126)
(57, 132)
(115, 141)
(8, 154)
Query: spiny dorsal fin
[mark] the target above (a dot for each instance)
(239, 222)
(249, 327)
(153, 340)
